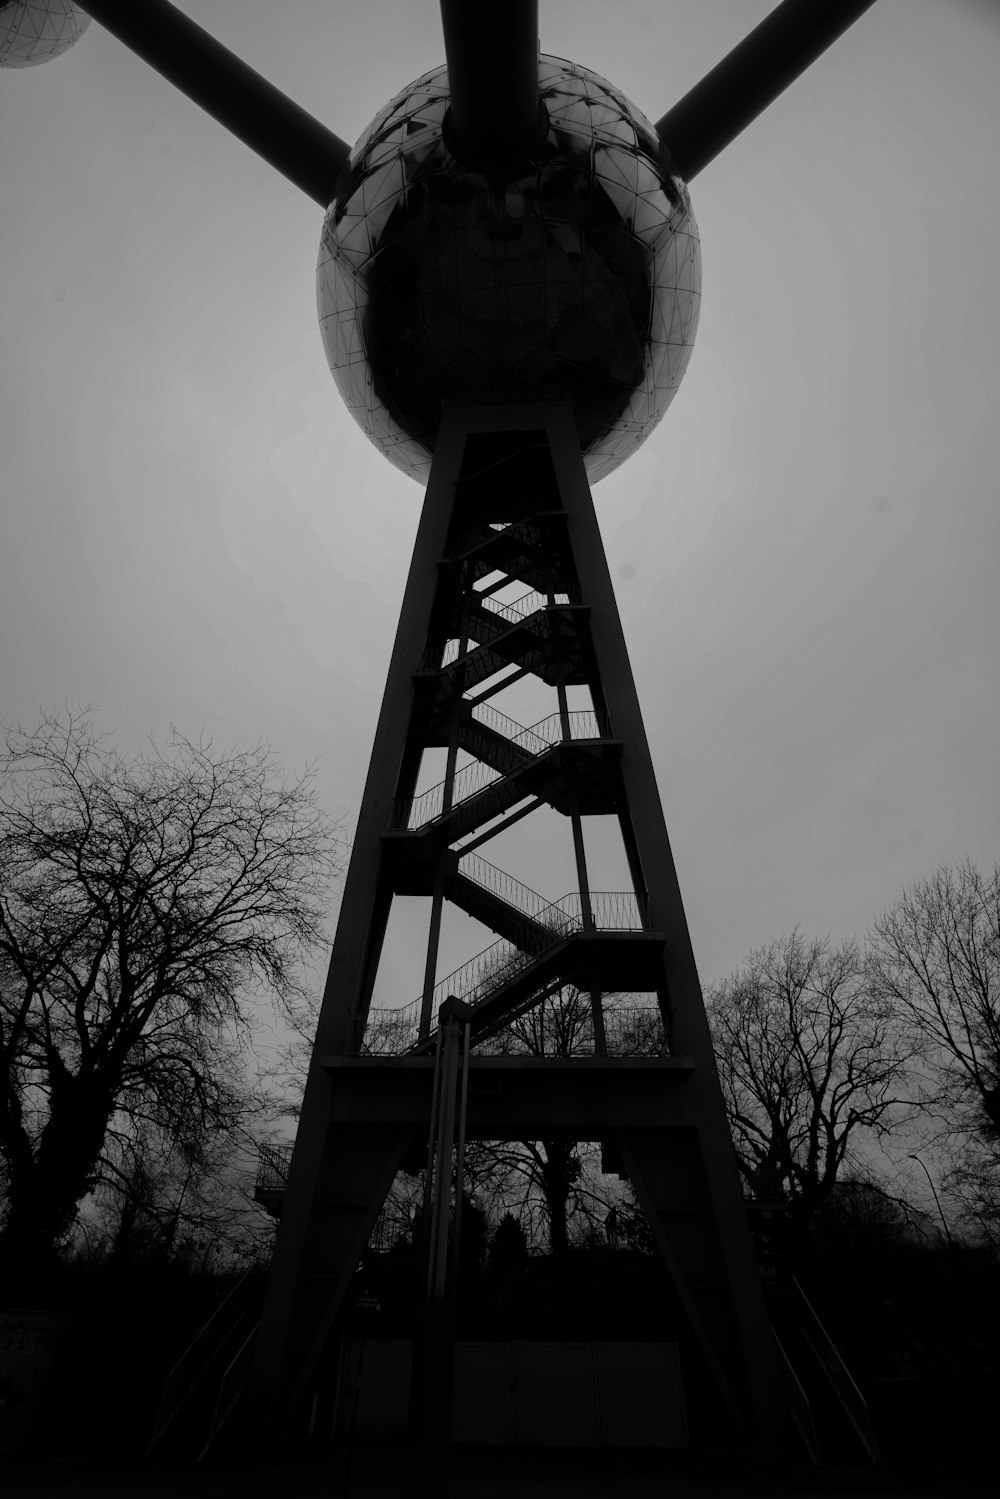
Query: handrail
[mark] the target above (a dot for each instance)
(193, 1363)
(839, 1376)
(498, 882)
(273, 1162)
(527, 530)
(522, 747)
(234, 1381)
(471, 540)
(489, 970)
(514, 610)
(535, 622)
(797, 1400)
(632, 1029)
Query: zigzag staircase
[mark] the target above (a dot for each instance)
(509, 602)
(562, 760)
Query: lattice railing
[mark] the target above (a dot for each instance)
(496, 965)
(478, 659)
(512, 611)
(560, 1027)
(273, 1162)
(475, 777)
(503, 885)
(633, 1028)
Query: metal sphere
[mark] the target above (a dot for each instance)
(576, 273)
(32, 31)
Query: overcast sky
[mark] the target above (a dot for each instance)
(195, 532)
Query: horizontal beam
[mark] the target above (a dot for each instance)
(260, 115)
(751, 77)
(491, 49)
(519, 1097)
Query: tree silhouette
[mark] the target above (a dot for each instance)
(934, 956)
(139, 898)
(809, 1058)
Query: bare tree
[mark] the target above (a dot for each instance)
(139, 900)
(809, 1058)
(935, 957)
(548, 1183)
(165, 1197)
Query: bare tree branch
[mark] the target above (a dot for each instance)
(140, 899)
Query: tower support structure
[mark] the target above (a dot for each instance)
(508, 507)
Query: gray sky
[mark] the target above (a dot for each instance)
(194, 530)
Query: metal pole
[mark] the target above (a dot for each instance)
(460, 1147)
(441, 1199)
(579, 850)
(751, 77)
(492, 55)
(447, 796)
(425, 1221)
(937, 1201)
(261, 116)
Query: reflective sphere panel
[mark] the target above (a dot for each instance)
(32, 31)
(576, 273)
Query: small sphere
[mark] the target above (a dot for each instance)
(576, 273)
(32, 31)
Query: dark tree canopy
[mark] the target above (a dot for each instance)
(140, 901)
(808, 1057)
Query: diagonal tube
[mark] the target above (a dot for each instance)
(229, 90)
(751, 77)
(491, 49)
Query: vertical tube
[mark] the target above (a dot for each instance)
(442, 1175)
(425, 1224)
(437, 895)
(492, 55)
(460, 1148)
(430, 962)
(579, 851)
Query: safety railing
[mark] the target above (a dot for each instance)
(797, 1402)
(526, 531)
(498, 882)
(235, 1379)
(273, 1162)
(391, 1032)
(635, 1029)
(583, 724)
(837, 1373)
(522, 745)
(512, 611)
(489, 531)
(562, 1025)
(393, 1226)
(480, 661)
(494, 967)
(194, 1362)
(632, 1029)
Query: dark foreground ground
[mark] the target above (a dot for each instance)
(476, 1473)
